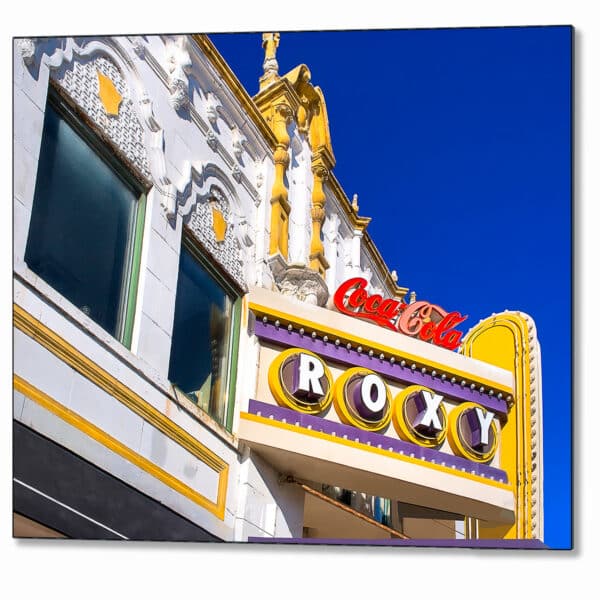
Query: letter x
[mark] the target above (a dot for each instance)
(429, 417)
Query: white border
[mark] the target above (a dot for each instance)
(119, 570)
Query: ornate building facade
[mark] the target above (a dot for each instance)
(208, 344)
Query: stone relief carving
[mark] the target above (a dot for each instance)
(306, 285)
(228, 252)
(26, 47)
(138, 46)
(211, 140)
(212, 106)
(179, 64)
(237, 142)
(124, 130)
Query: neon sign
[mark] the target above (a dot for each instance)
(302, 381)
(423, 320)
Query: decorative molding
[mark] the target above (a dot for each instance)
(138, 46)
(58, 346)
(82, 83)
(179, 64)
(212, 140)
(270, 42)
(235, 252)
(236, 173)
(317, 259)
(281, 117)
(26, 47)
(224, 73)
(212, 107)
(237, 142)
(304, 284)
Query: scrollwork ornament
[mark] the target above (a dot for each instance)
(26, 48)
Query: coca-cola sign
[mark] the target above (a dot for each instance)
(424, 320)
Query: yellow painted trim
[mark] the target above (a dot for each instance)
(405, 430)
(365, 447)
(100, 436)
(286, 318)
(29, 325)
(516, 450)
(454, 438)
(341, 406)
(284, 398)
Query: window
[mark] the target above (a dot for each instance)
(86, 222)
(205, 335)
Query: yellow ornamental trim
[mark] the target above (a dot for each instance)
(219, 224)
(508, 340)
(109, 95)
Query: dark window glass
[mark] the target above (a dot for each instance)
(201, 337)
(82, 224)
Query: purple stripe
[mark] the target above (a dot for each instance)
(377, 440)
(394, 371)
(507, 544)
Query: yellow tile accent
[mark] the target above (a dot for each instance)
(219, 224)
(109, 95)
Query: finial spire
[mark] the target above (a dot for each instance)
(355, 203)
(270, 43)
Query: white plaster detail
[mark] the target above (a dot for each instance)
(26, 47)
(124, 130)
(236, 172)
(179, 64)
(212, 140)
(138, 46)
(236, 253)
(212, 105)
(228, 252)
(237, 142)
(297, 281)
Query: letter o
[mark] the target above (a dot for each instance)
(362, 399)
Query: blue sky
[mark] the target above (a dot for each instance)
(458, 143)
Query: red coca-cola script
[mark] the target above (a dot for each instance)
(424, 320)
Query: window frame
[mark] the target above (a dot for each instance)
(232, 289)
(105, 150)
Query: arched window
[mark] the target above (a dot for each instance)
(87, 220)
(204, 345)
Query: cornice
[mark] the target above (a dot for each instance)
(281, 88)
(235, 86)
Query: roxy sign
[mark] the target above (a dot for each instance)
(426, 321)
(302, 381)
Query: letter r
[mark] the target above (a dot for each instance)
(310, 371)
